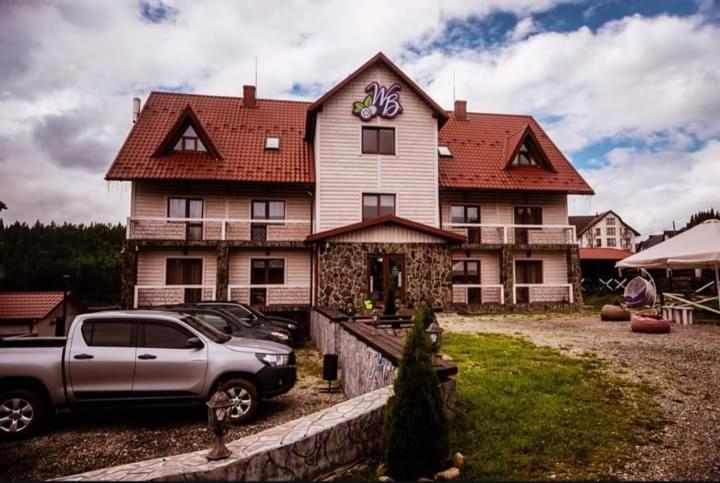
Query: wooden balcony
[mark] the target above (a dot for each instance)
(216, 229)
(499, 234)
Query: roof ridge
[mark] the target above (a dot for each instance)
(218, 96)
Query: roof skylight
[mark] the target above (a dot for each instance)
(444, 151)
(272, 142)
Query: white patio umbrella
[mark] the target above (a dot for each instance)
(698, 247)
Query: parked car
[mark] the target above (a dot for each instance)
(248, 311)
(228, 323)
(136, 357)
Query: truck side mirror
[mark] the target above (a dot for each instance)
(227, 329)
(194, 343)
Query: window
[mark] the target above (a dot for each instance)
(265, 210)
(190, 141)
(610, 230)
(164, 336)
(215, 320)
(185, 271)
(466, 272)
(611, 242)
(598, 242)
(526, 215)
(444, 152)
(527, 272)
(597, 231)
(374, 205)
(107, 333)
(467, 214)
(267, 271)
(526, 155)
(187, 208)
(610, 221)
(272, 143)
(626, 243)
(378, 140)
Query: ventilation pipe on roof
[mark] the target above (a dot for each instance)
(136, 109)
(460, 110)
(249, 96)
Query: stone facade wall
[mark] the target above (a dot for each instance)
(324, 333)
(363, 368)
(549, 294)
(343, 272)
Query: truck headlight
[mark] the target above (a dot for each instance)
(274, 360)
(292, 327)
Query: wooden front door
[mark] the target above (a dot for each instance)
(527, 272)
(384, 272)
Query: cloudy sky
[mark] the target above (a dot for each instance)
(628, 89)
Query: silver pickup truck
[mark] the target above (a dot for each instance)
(135, 357)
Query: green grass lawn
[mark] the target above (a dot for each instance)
(528, 412)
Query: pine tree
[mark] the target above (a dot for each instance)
(416, 428)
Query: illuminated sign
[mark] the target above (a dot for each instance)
(380, 101)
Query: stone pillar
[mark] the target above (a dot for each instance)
(128, 276)
(506, 272)
(223, 269)
(574, 274)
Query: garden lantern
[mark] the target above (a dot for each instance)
(218, 419)
(435, 332)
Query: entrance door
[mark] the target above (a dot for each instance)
(386, 272)
(526, 215)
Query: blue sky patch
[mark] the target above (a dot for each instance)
(156, 11)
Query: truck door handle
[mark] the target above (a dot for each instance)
(83, 356)
(147, 356)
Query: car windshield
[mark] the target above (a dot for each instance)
(242, 314)
(206, 329)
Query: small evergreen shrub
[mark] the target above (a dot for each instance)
(416, 428)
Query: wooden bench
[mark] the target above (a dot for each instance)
(678, 314)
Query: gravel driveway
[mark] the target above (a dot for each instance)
(84, 441)
(684, 365)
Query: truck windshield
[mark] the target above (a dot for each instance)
(206, 329)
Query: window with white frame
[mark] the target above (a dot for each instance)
(190, 141)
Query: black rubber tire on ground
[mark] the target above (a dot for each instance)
(246, 395)
(37, 412)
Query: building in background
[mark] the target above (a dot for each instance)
(35, 313)
(604, 229)
(371, 188)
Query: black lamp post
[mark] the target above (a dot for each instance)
(60, 327)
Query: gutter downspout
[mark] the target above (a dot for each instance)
(312, 250)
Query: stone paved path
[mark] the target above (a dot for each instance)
(684, 365)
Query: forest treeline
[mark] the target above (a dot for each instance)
(35, 257)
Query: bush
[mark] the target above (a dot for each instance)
(416, 428)
(390, 307)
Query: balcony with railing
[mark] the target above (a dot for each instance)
(216, 229)
(542, 293)
(151, 295)
(514, 234)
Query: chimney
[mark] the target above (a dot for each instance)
(136, 109)
(249, 96)
(460, 110)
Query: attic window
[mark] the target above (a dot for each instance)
(444, 151)
(272, 142)
(525, 157)
(190, 141)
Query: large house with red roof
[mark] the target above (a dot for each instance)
(371, 188)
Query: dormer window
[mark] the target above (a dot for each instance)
(444, 152)
(189, 141)
(272, 142)
(524, 157)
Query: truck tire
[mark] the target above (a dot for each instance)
(245, 396)
(22, 413)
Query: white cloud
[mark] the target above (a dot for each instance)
(523, 29)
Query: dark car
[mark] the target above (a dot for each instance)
(247, 311)
(231, 324)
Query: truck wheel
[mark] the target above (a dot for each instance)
(21, 413)
(244, 396)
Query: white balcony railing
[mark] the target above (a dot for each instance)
(158, 228)
(150, 295)
(489, 293)
(545, 292)
(495, 233)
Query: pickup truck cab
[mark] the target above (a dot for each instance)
(136, 357)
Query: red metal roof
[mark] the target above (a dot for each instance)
(479, 144)
(392, 220)
(238, 133)
(613, 254)
(28, 305)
